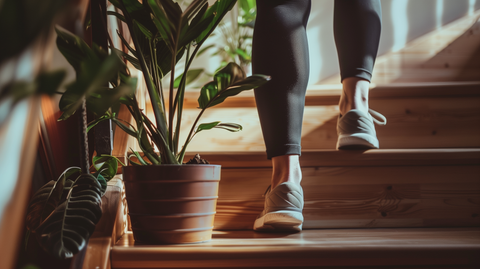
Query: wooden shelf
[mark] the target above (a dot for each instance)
(351, 248)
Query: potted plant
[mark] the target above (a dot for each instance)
(170, 202)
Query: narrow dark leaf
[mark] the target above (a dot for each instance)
(125, 128)
(143, 29)
(116, 14)
(140, 159)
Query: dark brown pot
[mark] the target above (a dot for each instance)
(172, 204)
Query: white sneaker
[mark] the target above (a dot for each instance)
(356, 130)
(283, 209)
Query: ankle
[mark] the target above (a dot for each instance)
(286, 168)
(354, 95)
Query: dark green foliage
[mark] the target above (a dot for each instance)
(22, 21)
(94, 68)
(63, 213)
(67, 230)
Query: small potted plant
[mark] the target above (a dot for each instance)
(169, 201)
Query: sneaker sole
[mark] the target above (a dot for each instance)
(279, 221)
(357, 141)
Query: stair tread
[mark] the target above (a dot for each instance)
(331, 157)
(327, 247)
(320, 95)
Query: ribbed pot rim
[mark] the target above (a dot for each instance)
(180, 199)
(172, 173)
(177, 230)
(179, 215)
(171, 165)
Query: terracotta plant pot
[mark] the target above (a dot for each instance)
(172, 204)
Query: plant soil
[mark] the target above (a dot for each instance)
(197, 160)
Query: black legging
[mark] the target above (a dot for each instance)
(280, 50)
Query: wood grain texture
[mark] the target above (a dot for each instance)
(373, 157)
(422, 116)
(353, 197)
(351, 248)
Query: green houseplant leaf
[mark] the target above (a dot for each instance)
(67, 229)
(47, 198)
(162, 35)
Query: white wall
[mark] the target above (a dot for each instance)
(402, 21)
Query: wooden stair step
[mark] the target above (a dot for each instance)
(419, 115)
(339, 248)
(355, 189)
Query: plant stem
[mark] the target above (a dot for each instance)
(179, 101)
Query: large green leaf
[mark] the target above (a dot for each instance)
(106, 166)
(66, 231)
(104, 98)
(249, 83)
(232, 127)
(192, 75)
(130, 5)
(75, 50)
(47, 198)
(93, 74)
(229, 81)
(166, 21)
(49, 82)
(208, 92)
(218, 10)
(228, 75)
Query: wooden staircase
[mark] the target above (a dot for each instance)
(421, 208)
(415, 203)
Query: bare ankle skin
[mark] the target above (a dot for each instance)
(354, 95)
(286, 168)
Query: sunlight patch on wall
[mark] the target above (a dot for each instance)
(314, 46)
(439, 14)
(471, 6)
(400, 24)
(11, 141)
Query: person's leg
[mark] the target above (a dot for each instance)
(357, 26)
(280, 50)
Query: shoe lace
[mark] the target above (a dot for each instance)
(377, 117)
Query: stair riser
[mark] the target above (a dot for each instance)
(442, 122)
(360, 197)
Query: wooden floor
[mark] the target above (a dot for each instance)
(350, 248)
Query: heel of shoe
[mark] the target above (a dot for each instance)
(280, 221)
(357, 141)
